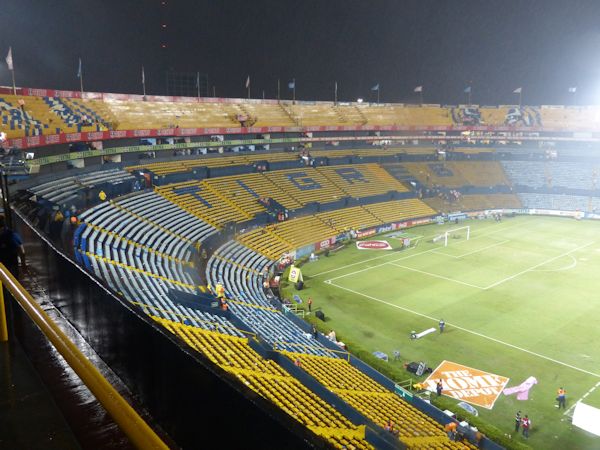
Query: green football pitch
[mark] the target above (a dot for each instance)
(520, 298)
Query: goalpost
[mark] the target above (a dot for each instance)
(453, 233)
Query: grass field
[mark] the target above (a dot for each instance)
(520, 298)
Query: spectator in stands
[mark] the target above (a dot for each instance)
(450, 429)
(478, 438)
(390, 427)
(11, 249)
(315, 332)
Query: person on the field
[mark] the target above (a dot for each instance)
(561, 398)
(526, 424)
(439, 387)
(517, 421)
(442, 324)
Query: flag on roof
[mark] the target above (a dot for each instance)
(573, 89)
(292, 84)
(79, 69)
(419, 89)
(9, 60)
(248, 82)
(467, 90)
(375, 88)
(518, 90)
(143, 76)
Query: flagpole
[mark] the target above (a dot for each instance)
(214, 91)
(294, 91)
(81, 84)
(470, 89)
(421, 96)
(198, 83)
(143, 82)
(248, 91)
(13, 80)
(263, 94)
(278, 90)
(335, 94)
(378, 90)
(520, 94)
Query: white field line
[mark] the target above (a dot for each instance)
(474, 251)
(569, 267)
(581, 399)
(379, 265)
(399, 259)
(436, 276)
(475, 333)
(504, 280)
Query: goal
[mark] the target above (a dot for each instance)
(455, 233)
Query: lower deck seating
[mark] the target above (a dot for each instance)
(239, 270)
(561, 202)
(475, 202)
(59, 190)
(400, 210)
(269, 380)
(274, 240)
(375, 402)
(130, 244)
(203, 202)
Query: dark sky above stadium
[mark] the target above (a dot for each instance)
(543, 46)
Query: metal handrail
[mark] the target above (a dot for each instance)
(136, 429)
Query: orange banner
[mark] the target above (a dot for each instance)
(467, 384)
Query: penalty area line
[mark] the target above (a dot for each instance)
(581, 399)
(532, 268)
(474, 236)
(466, 330)
(436, 275)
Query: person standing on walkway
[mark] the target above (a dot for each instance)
(442, 324)
(517, 421)
(309, 303)
(11, 249)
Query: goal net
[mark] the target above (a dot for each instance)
(455, 233)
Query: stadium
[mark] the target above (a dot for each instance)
(285, 273)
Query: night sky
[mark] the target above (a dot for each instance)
(545, 46)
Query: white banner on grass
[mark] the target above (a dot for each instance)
(587, 418)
